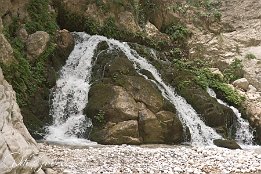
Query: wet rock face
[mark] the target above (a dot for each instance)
(211, 112)
(127, 108)
(18, 150)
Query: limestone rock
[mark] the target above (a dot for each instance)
(241, 83)
(126, 132)
(36, 44)
(18, 150)
(64, 39)
(142, 90)
(116, 104)
(150, 127)
(124, 104)
(6, 50)
(230, 144)
(171, 126)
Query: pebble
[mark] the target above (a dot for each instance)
(138, 159)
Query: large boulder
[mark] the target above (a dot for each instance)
(119, 95)
(36, 44)
(144, 91)
(116, 104)
(18, 150)
(171, 126)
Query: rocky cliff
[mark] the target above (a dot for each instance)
(19, 152)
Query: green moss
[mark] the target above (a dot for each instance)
(204, 78)
(231, 95)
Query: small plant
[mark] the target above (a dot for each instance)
(234, 71)
(178, 32)
(184, 84)
(100, 117)
(250, 56)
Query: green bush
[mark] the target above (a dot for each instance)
(178, 32)
(205, 79)
(40, 17)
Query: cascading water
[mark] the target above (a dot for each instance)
(71, 93)
(244, 133)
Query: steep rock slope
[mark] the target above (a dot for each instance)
(18, 150)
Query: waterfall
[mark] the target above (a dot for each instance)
(244, 134)
(71, 93)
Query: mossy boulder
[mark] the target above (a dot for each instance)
(211, 112)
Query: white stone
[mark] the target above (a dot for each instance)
(241, 84)
(36, 43)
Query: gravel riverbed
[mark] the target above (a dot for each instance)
(152, 159)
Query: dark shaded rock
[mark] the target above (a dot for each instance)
(113, 101)
(230, 144)
(111, 64)
(65, 44)
(119, 95)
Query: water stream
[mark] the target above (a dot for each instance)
(244, 133)
(71, 93)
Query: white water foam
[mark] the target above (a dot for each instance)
(71, 93)
(244, 134)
